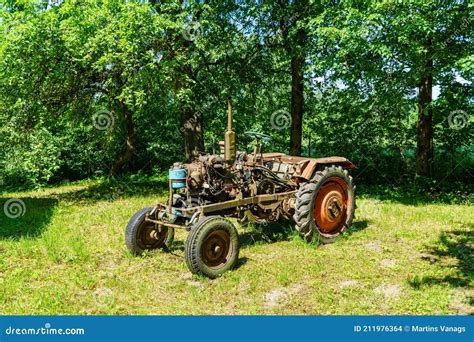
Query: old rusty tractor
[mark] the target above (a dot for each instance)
(317, 193)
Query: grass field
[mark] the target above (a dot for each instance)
(66, 255)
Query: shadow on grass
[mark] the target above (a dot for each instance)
(28, 216)
(177, 245)
(411, 194)
(357, 226)
(283, 231)
(454, 249)
(252, 235)
(267, 233)
(114, 189)
(241, 262)
(25, 217)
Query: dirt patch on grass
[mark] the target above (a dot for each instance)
(348, 283)
(389, 291)
(388, 263)
(373, 246)
(279, 296)
(190, 280)
(460, 302)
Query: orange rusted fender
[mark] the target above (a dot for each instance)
(305, 166)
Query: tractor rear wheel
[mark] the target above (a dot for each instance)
(212, 247)
(141, 235)
(325, 205)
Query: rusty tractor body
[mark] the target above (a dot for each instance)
(317, 193)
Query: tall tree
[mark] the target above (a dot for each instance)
(287, 24)
(191, 120)
(294, 36)
(427, 39)
(391, 50)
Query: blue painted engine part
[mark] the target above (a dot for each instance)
(177, 176)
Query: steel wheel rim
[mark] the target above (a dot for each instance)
(330, 206)
(150, 237)
(216, 249)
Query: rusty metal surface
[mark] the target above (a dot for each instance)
(305, 166)
(330, 205)
(263, 200)
(165, 224)
(309, 168)
(216, 249)
(294, 159)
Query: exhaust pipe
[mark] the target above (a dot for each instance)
(229, 137)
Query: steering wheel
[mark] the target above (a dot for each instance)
(259, 136)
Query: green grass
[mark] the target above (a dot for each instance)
(66, 255)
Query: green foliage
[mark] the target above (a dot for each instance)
(62, 65)
(34, 162)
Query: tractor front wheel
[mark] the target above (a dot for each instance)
(212, 247)
(141, 235)
(325, 205)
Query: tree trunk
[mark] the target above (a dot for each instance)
(294, 45)
(191, 121)
(297, 102)
(424, 126)
(129, 152)
(192, 129)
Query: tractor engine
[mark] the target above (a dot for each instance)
(232, 175)
(208, 179)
